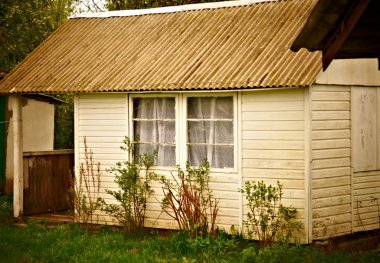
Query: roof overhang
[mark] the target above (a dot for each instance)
(342, 29)
(44, 98)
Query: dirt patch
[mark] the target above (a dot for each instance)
(354, 243)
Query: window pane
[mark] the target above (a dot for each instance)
(155, 131)
(154, 108)
(165, 153)
(154, 125)
(210, 108)
(217, 156)
(210, 132)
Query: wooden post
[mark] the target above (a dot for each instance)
(18, 176)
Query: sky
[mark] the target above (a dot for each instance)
(90, 6)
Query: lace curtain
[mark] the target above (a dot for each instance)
(154, 125)
(210, 122)
(210, 131)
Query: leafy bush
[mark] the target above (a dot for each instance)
(133, 179)
(84, 194)
(189, 200)
(268, 219)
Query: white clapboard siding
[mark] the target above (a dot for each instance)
(331, 160)
(102, 120)
(273, 143)
(366, 200)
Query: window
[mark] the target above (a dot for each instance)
(154, 126)
(210, 131)
(185, 128)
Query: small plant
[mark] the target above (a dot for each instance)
(189, 200)
(84, 194)
(6, 207)
(133, 179)
(268, 219)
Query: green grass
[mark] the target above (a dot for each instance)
(71, 243)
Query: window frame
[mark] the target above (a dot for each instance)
(181, 147)
(235, 133)
(131, 122)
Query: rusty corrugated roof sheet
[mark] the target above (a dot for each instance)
(221, 48)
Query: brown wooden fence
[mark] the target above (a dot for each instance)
(47, 178)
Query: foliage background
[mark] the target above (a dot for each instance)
(25, 24)
(139, 4)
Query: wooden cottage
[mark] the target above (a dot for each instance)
(219, 81)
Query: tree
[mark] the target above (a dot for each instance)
(142, 4)
(25, 24)
(64, 122)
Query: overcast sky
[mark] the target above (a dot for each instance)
(89, 6)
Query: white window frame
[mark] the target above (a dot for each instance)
(131, 122)
(181, 125)
(235, 119)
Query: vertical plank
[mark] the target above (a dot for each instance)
(377, 114)
(3, 136)
(308, 179)
(364, 128)
(18, 174)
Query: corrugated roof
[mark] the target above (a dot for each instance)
(245, 46)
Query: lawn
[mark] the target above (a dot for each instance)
(72, 243)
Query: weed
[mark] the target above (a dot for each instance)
(189, 200)
(133, 179)
(268, 219)
(85, 192)
(6, 207)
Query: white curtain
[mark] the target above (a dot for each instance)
(154, 125)
(210, 131)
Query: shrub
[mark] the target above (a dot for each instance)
(268, 219)
(84, 194)
(133, 179)
(189, 200)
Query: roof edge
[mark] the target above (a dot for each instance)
(170, 9)
(44, 98)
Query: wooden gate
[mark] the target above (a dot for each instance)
(47, 178)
